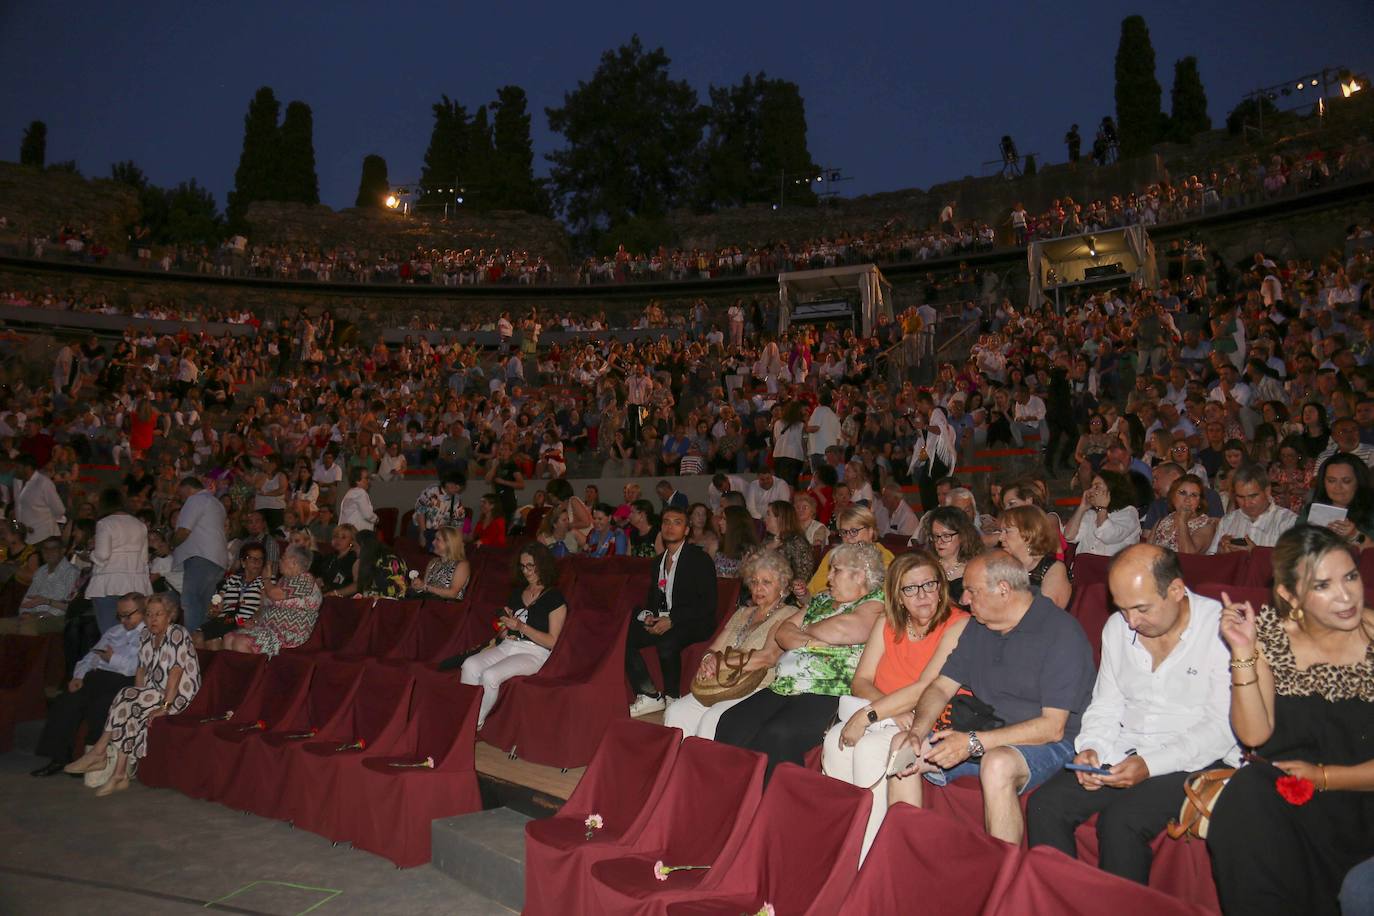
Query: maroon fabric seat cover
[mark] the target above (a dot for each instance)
(1089, 568)
(558, 716)
(1258, 569)
(437, 628)
(390, 808)
(622, 784)
(955, 866)
(23, 663)
(273, 697)
(487, 595)
(1255, 595)
(1047, 881)
(222, 691)
(701, 818)
(386, 524)
(800, 853)
(1180, 868)
(259, 774)
(1092, 607)
(339, 619)
(1222, 567)
(388, 632)
(379, 715)
(962, 800)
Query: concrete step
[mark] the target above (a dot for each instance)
(485, 852)
(26, 735)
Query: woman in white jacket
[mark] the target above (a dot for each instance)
(119, 558)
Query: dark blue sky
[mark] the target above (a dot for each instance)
(896, 98)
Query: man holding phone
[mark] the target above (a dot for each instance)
(1160, 711)
(1256, 520)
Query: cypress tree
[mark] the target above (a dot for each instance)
(296, 162)
(1138, 95)
(448, 144)
(475, 172)
(256, 175)
(1188, 101)
(33, 149)
(373, 187)
(512, 170)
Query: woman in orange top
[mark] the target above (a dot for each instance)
(904, 653)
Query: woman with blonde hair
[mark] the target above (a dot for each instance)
(448, 574)
(856, 525)
(906, 649)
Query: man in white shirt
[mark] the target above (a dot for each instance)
(200, 549)
(38, 507)
(763, 490)
(721, 484)
(1160, 711)
(356, 508)
(822, 430)
(893, 513)
(1345, 437)
(1028, 416)
(53, 586)
(1256, 521)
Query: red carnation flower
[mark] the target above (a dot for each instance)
(497, 625)
(1296, 790)
(362, 745)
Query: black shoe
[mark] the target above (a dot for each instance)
(51, 768)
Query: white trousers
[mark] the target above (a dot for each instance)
(861, 765)
(688, 714)
(492, 667)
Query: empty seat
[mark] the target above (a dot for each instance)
(339, 619)
(701, 818)
(800, 854)
(1047, 881)
(622, 784)
(388, 632)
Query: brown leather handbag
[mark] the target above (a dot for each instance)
(731, 681)
(1200, 794)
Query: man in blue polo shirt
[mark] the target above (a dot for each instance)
(1031, 663)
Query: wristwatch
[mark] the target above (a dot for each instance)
(872, 715)
(975, 747)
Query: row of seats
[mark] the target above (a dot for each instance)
(794, 845)
(302, 739)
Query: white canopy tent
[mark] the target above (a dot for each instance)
(799, 287)
(1078, 261)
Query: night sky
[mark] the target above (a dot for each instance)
(914, 97)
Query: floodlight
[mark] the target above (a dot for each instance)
(391, 201)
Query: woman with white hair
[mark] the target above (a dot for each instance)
(821, 648)
(768, 575)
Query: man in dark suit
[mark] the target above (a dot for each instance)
(672, 497)
(680, 610)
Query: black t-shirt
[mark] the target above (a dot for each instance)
(537, 614)
(337, 571)
(506, 494)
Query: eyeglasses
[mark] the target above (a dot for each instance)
(128, 615)
(852, 532)
(945, 537)
(921, 588)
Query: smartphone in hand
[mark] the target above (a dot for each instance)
(1088, 768)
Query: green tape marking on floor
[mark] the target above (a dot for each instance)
(332, 892)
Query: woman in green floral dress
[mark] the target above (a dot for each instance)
(821, 647)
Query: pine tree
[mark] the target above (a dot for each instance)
(512, 170)
(374, 185)
(256, 177)
(447, 150)
(1188, 102)
(1138, 96)
(33, 149)
(297, 156)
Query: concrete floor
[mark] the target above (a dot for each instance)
(154, 851)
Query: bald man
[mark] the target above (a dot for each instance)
(1160, 710)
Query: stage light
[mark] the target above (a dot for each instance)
(460, 200)
(1301, 85)
(391, 201)
(1350, 88)
(1314, 82)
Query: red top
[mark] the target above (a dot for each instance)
(904, 662)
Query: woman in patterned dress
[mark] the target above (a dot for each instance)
(1302, 695)
(289, 610)
(167, 679)
(1188, 528)
(821, 649)
(447, 575)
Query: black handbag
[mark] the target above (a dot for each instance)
(967, 713)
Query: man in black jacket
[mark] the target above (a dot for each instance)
(680, 610)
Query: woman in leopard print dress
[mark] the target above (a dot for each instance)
(1302, 695)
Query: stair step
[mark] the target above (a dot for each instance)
(484, 851)
(26, 735)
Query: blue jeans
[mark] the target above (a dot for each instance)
(1357, 891)
(106, 611)
(1042, 760)
(197, 588)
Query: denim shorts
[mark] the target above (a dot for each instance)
(1042, 760)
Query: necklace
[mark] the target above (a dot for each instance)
(747, 628)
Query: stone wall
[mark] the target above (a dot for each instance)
(378, 231)
(38, 202)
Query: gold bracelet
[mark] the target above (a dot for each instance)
(1243, 663)
(1322, 767)
(1253, 680)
